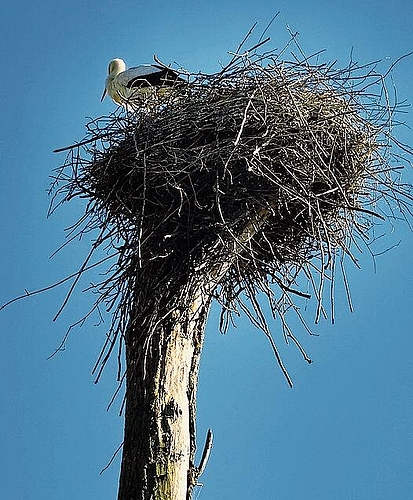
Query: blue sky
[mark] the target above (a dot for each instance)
(345, 430)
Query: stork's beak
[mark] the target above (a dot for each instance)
(103, 95)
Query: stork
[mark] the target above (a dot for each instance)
(132, 88)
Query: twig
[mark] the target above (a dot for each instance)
(205, 454)
(112, 459)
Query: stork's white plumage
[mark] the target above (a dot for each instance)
(133, 87)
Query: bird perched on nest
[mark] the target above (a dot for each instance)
(139, 87)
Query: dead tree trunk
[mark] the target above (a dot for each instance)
(163, 348)
(162, 356)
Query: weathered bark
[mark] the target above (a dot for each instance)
(162, 373)
(163, 348)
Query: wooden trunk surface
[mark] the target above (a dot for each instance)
(162, 375)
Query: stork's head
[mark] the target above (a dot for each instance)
(115, 67)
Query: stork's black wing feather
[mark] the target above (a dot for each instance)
(149, 75)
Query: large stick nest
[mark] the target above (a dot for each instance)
(298, 151)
